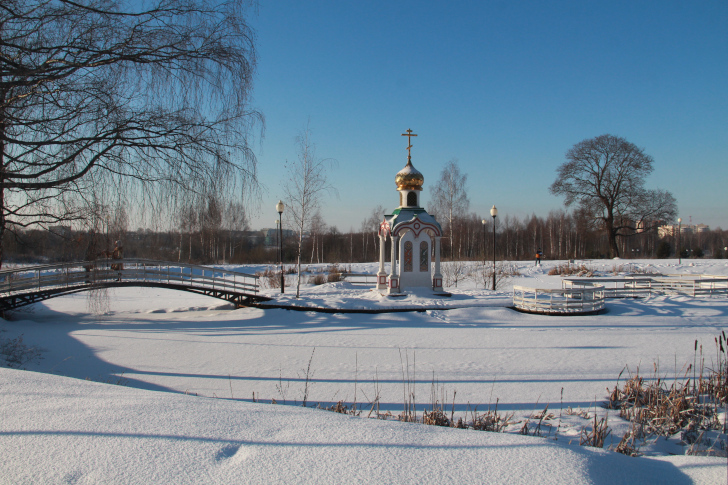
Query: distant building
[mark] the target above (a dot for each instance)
(702, 228)
(671, 230)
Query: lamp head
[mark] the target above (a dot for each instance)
(280, 207)
(494, 212)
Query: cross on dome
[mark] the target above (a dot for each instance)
(409, 136)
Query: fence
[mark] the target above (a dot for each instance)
(559, 301)
(360, 278)
(642, 285)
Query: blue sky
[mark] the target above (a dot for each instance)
(506, 88)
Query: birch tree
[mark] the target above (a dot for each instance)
(305, 187)
(450, 198)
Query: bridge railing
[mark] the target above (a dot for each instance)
(99, 272)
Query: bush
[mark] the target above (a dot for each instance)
(569, 270)
(317, 279)
(664, 250)
(334, 274)
(15, 353)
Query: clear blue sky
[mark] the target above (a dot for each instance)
(504, 87)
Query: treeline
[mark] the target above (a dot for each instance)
(560, 235)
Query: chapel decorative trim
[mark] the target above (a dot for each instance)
(416, 226)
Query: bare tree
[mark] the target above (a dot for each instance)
(605, 176)
(304, 189)
(236, 221)
(317, 228)
(370, 228)
(105, 91)
(450, 198)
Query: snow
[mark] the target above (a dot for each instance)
(210, 359)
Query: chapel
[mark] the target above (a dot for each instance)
(415, 237)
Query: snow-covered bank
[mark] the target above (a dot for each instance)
(60, 430)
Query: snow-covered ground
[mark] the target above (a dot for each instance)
(469, 349)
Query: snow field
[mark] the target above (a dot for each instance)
(171, 341)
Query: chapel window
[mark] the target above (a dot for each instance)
(424, 257)
(408, 256)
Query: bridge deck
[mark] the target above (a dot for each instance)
(24, 286)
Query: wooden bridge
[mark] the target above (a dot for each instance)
(31, 284)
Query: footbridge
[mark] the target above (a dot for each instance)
(31, 284)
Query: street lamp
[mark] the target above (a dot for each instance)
(483, 221)
(494, 213)
(279, 208)
(679, 253)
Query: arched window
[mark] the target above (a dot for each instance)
(412, 199)
(424, 257)
(408, 256)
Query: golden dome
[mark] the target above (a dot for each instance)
(409, 178)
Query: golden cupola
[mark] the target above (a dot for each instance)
(409, 178)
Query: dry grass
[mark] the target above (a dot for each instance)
(690, 405)
(571, 270)
(598, 433)
(491, 420)
(341, 408)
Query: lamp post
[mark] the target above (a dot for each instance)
(494, 213)
(483, 221)
(279, 208)
(679, 253)
(277, 239)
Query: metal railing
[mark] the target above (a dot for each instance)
(108, 272)
(587, 299)
(644, 285)
(360, 278)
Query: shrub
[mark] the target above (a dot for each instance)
(664, 250)
(317, 279)
(334, 274)
(270, 278)
(15, 353)
(568, 270)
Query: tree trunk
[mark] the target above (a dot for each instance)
(298, 263)
(612, 236)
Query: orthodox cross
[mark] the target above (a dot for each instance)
(409, 136)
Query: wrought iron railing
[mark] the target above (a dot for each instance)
(108, 272)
